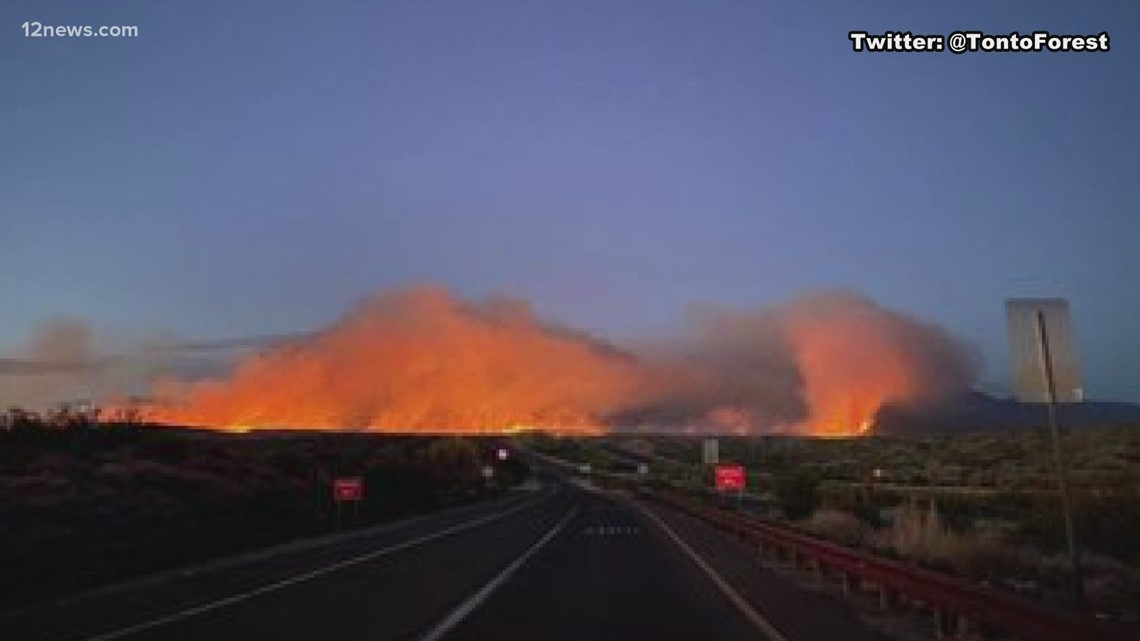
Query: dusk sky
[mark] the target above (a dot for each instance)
(246, 168)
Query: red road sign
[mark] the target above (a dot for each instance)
(730, 477)
(348, 489)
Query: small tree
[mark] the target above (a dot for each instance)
(797, 494)
(454, 459)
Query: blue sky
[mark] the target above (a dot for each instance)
(255, 167)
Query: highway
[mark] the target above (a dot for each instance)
(566, 561)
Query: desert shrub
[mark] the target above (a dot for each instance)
(797, 494)
(1110, 585)
(98, 505)
(1108, 521)
(454, 460)
(836, 525)
(921, 534)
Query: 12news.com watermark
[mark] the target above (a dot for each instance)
(960, 42)
(40, 30)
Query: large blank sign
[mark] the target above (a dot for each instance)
(1025, 341)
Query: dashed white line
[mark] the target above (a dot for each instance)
(464, 609)
(312, 574)
(740, 602)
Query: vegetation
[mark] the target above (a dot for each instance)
(85, 503)
(983, 506)
(797, 494)
(1002, 482)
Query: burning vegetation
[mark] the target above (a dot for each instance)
(421, 360)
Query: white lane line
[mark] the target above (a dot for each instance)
(312, 574)
(464, 609)
(740, 602)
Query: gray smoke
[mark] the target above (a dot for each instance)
(823, 363)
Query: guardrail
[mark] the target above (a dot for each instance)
(977, 610)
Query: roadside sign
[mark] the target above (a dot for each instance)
(730, 478)
(348, 489)
(1038, 326)
(710, 451)
(1046, 371)
(502, 453)
(488, 471)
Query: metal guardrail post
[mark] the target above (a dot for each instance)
(964, 627)
(940, 623)
(888, 598)
(849, 583)
(816, 567)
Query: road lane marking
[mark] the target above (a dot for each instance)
(312, 574)
(740, 602)
(606, 530)
(469, 605)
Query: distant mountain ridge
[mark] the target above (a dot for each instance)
(981, 412)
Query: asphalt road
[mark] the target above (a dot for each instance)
(564, 562)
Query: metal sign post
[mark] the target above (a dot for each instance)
(710, 451)
(1058, 458)
(347, 490)
(1040, 337)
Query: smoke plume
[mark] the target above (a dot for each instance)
(66, 362)
(422, 360)
(53, 365)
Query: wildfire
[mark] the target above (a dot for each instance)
(418, 361)
(854, 359)
(422, 361)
